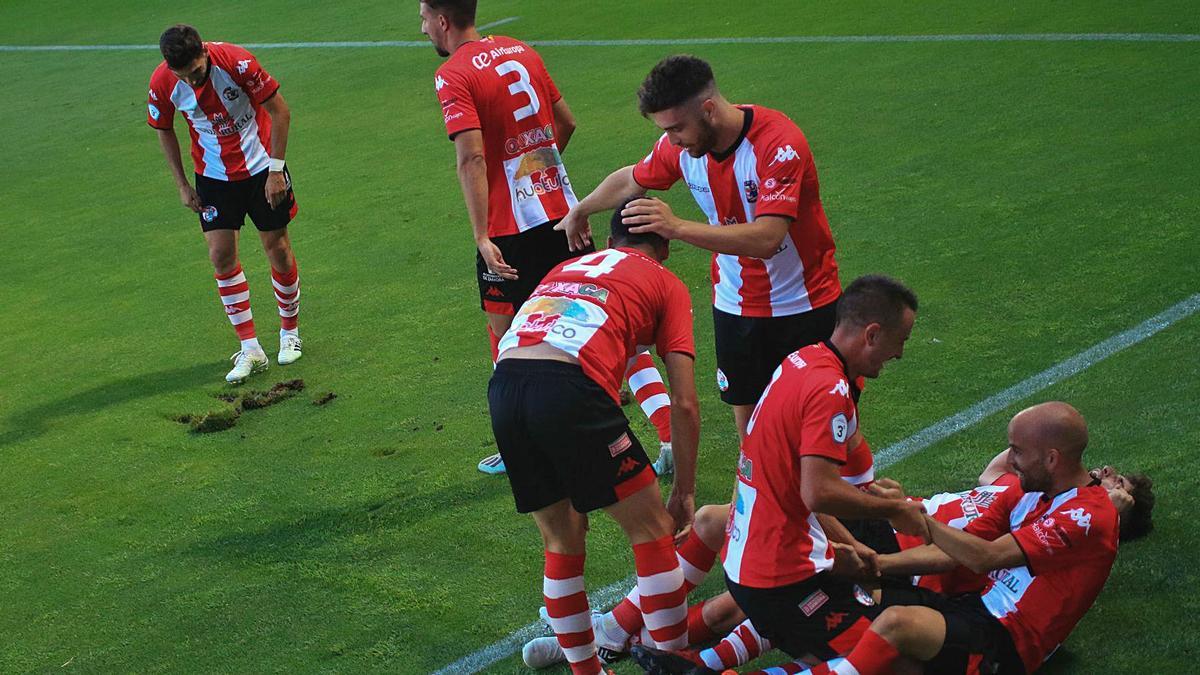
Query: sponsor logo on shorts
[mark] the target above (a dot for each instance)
(209, 214)
(620, 445)
(493, 291)
(628, 464)
(863, 597)
(813, 602)
(154, 113)
(491, 277)
(722, 381)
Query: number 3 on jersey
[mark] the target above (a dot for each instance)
(596, 264)
(521, 86)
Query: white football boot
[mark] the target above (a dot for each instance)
(246, 364)
(665, 464)
(542, 652)
(289, 349)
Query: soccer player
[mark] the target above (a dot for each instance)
(509, 125)
(1048, 550)
(749, 168)
(566, 443)
(238, 123)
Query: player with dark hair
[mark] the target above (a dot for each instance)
(239, 126)
(567, 445)
(509, 124)
(749, 168)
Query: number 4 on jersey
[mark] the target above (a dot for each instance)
(596, 264)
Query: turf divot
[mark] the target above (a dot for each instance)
(227, 418)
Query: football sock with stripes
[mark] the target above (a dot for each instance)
(741, 646)
(647, 385)
(871, 656)
(235, 296)
(698, 631)
(569, 614)
(662, 592)
(695, 559)
(287, 296)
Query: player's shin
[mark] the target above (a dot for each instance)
(568, 611)
(663, 597)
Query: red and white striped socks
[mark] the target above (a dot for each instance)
(287, 296)
(647, 385)
(741, 646)
(662, 591)
(569, 614)
(235, 295)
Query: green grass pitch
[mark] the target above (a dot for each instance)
(1039, 196)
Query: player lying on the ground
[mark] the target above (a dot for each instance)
(617, 630)
(1048, 548)
(568, 447)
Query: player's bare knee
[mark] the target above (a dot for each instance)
(895, 624)
(223, 260)
(710, 524)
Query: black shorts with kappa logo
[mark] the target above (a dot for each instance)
(563, 437)
(976, 642)
(749, 349)
(533, 253)
(822, 616)
(226, 203)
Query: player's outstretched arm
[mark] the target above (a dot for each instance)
(927, 559)
(685, 435)
(609, 194)
(977, 554)
(824, 491)
(170, 147)
(564, 124)
(760, 238)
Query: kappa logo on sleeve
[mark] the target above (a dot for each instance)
(840, 388)
(783, 154)
(1081, 517)
(243, 66)
(438, 83)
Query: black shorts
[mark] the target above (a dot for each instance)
(533, 253)
(562, 436)
(976, 641)
(749, 349)
(822, 616)
(226, 203)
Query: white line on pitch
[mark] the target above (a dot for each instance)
(610, 594)
(499, 22)
(677, 42)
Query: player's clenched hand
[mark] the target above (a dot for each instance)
(887, 489)
(682, 508)
(577, 229)
(910, 519)
(276, 188)
(869, 558)
(495, 261)
(187, 195)
(651, 215)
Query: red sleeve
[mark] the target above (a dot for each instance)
(993, 522)
(825, 421)
(160, 112)
(674, 332)
(458, 106)
(660, 169)
(1008, 480)
(249, 75)
(780, 173)
(1074, 534)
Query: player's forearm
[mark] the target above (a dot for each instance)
(925, 559)
(564, 124)
(685, 439)
(839, 499)
(978, 555)
(170, 149)
(472, 176)
(281, 123)
(754, 239)
(610, 192)
(835, 530)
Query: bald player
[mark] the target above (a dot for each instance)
(1047, 552)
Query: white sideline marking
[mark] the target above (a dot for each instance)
(500, 22)
(612, 593)
(666, 42)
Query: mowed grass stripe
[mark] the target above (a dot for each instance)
(678, 42)
(611, 594)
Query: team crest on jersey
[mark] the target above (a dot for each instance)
(745, 467)
(751, 188)
(231, 94)
(209, 214)
(769, 184)
(153, 111)
(722, 381)
(242, 66)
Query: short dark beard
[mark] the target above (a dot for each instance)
(708, 140)
(441, 52)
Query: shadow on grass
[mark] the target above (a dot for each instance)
(294, 539)
(23, 425)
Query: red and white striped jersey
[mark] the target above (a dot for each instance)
(959, 509)
(501, 87)
(231, 131)
(601, 308)
(1070, 543)
(770, 172)
(808, 409)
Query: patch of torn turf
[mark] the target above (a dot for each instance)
(216, 420)
(253, 400)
